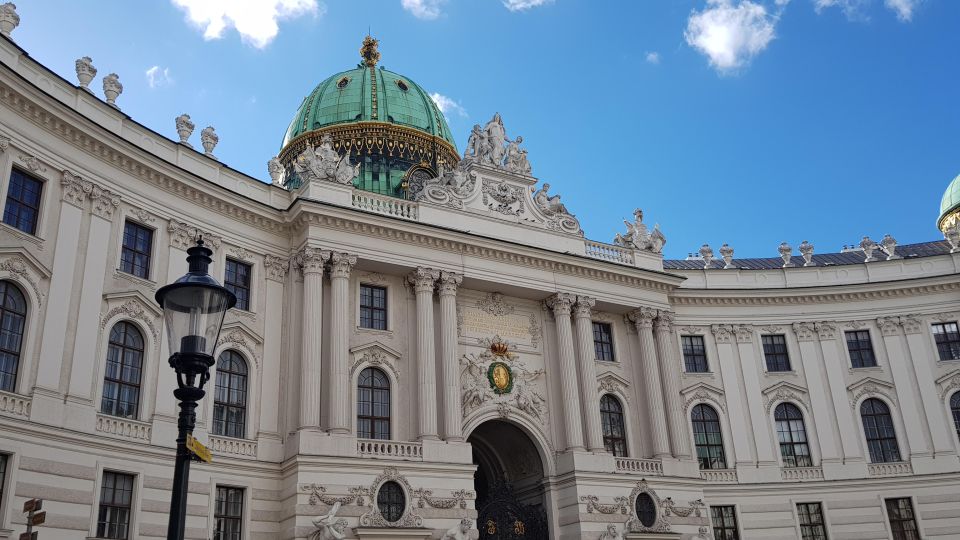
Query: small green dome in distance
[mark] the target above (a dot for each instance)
(950, 206)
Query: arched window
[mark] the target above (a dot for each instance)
(121, 381)
(230, 396)
(611, 417)
(373, 404)
(878, 428)
(13, 317)
(792, 435)
(391, 501)
(955, 410)
(708, 437)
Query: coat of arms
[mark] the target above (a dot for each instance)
(504, 375)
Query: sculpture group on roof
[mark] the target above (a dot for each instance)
(324, 163)
(639, 237)
(490, 146)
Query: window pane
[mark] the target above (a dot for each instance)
(135, 252)
(373, 307)
(611, 419)
(121, 382)
(707, 437)
(694, 354)
(22, 207)
(879, 432)
(228, 514)
(373, 404)
(775, 352)
(230, 396)
(116, 498)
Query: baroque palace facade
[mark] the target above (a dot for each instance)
(426, 346)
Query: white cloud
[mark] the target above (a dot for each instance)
(653, 57)
(523, 5)
(423, 9)
(732, 34)
(157, 76)
(903, 8)
(447, 105)
(255, 20)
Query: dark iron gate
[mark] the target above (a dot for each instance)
(503, 517)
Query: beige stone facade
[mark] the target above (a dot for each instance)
(456, 278)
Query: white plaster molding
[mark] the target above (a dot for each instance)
(611, 383)
(134, 306)
(237, 335)
(660, 523)
(184, 236)
(871, 387)
(375, 354)
(693, 330)
(26, 270)
(702, 392)
(373, 517)
(948, 383)
(785, 391)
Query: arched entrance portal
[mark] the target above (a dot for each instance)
(509, 483)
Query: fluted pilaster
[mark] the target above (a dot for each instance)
(669, 356)
(423, 281)
(449, 364)
(561, 303)
(311, 261)
(340, 266)
(588, 371)
(643, 319)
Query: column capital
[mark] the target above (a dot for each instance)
(423, 279)
(911, 324)
(665, 320)
(104, 202)
(341, 264)
(276, 267)
(805, 331)
(888, 325)
(826, 330)
(448, 282)
(560, 303)
(311, 260)
(723, 333)
(643, 317)
(74, 189)
(184, 236)
(743, 333)
(583, 308)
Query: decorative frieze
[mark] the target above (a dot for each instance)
(457, 499)
(621, 505)
(495, 304)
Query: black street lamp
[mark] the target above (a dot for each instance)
(193, 311)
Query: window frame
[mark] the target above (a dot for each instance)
(25, 316)
(953, 407)
(38, 210)
(721, 445)
(606, 419)
(373, 418)
(693, 354)
(235, 286)
(952, 342)
(118, 381)
(149, 254)
(723, 528)
(240, 519)
(860, 349)
(404, 503)
(361, 307)
(132, 509)
(893, 427)
(791, 460)
(228, 405)
(599, 351)
(767, 354)
(823, 520)
(915, 517)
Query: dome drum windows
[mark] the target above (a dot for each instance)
(121, 381)
(13, 317)
(230, 396)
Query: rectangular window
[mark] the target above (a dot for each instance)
(228, 514)
(23, 202)
(775, 352)
(948, 340)
(116, 499)
(373, 307)
(135, 254)
(603, 342)
(724, 521)
(236, 278)
(903, 524)
(861, 349)
(812, 526)
(694, 354)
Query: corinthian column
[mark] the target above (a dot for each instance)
(311, 262)
(670, 371)
(588, 371)
(643, 319)
(423, 280)
(561, 303)
(449, 364)
(340, 266)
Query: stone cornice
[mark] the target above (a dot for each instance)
(816, 295)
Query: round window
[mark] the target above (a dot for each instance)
(391, 501)
(402, 85)
(343, 82)
(646, 510)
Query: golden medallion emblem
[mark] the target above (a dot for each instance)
(500, 377)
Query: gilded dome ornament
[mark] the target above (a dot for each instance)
(369, 51)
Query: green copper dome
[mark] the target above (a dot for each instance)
(950, 205)
(380, 120)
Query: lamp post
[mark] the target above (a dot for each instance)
(193, 311)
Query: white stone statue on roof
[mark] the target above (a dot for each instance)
(638, 236)
(496, 137)
(323, 163)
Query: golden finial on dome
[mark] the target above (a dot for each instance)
(369, 51)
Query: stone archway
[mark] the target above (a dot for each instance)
(511, 502)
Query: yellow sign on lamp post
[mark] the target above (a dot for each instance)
(198, 449)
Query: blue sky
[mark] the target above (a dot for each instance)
(750, 122)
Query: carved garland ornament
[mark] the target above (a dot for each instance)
(458, 498)
(634, 524)
(501, 197)
(494, 304)
(621, 505)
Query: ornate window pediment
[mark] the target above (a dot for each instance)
(373, 517)
(702, 392)
(785, 391)
(238, 335)
(26, 268)
(136, 306)
(375, 354)
(610, 382)
(871, 386)
(948, 383)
